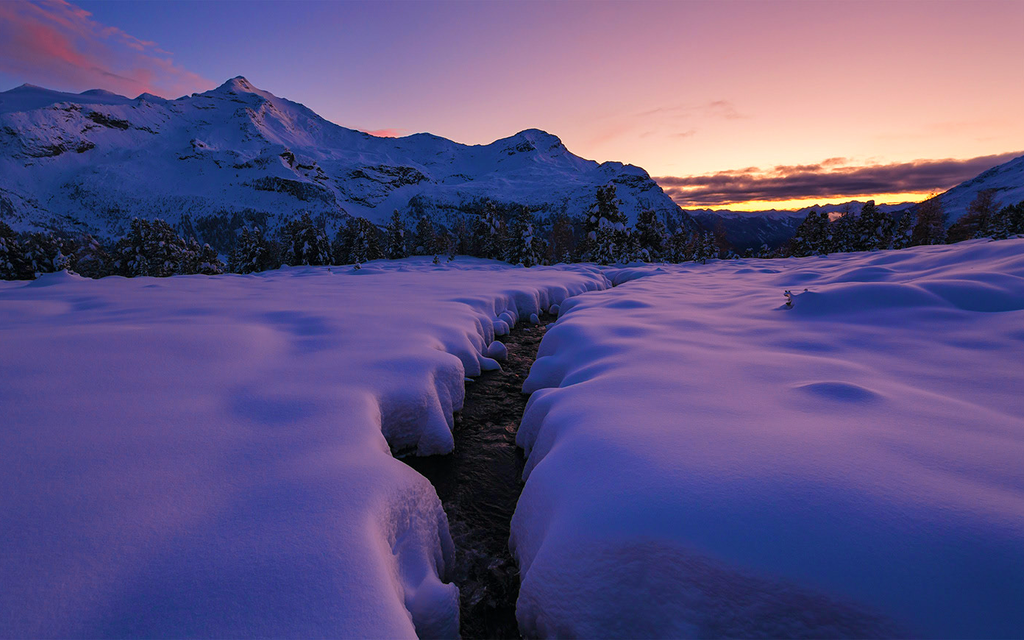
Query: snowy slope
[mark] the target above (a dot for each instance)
(211, 456)
(704, 462)
(95, 160)
(1006, 179)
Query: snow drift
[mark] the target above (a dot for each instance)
(212, 456)
(706, 461)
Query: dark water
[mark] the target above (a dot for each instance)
(479, 484)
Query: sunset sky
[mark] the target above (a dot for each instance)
(727, 104)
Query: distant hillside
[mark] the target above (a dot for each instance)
(1006, 180)
(237, 154)
(750, 229)
(773, 227)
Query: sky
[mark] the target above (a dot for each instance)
(744, 105)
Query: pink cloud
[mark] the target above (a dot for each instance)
(386, 133)
(53, 42)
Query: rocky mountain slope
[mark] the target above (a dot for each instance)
(239, 155)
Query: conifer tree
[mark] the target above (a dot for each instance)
(45, 253)
(426, 238)
(845, 233)
(13, 265)
(901, 237)
(523, 245)
(489, 234)
(704, 247)
(813, 237)
(203, 260)
(562, 246)
(977, 222)
(91, 258)
(395, 237)
(152, 248)
(679, 246)
(650, 236)
(875, 228)
(305, 243)
(252, 252)
(364, 241)
(930, 226)
(607, 236)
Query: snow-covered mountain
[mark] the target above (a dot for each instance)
(235, 154)
(1007, 180)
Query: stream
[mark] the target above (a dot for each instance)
(479, 484)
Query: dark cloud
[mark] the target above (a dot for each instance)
(828, 179)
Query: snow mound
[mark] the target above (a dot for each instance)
(212, 456)
(705, 461)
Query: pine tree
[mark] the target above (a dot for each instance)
(607, 236)
(45, 253)
(813, 237)
(704, 247)
(13, 265)
(562, 246)
(395, 238)
(365, 241)
(426, 238)
(930, 226)
(680, 246)
(252, 252)
(523, 245)
(203, 260)
(488, 234)
(845, 234)
(901, 237)
(305, 243)
(152, 248)
(1009, 221)
(650, 236)
(977, 222)
(874, 227)
(91, 259)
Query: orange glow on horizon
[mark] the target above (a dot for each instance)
(801, 203)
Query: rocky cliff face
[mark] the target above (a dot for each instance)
(238, 154)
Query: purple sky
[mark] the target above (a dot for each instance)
(683, 89)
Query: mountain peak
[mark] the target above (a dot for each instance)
(238, 84)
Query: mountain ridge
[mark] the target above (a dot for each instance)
(92, 161)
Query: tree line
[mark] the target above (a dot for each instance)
(514, 235)
(873, 229)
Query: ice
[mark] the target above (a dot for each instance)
(212, 456)
(705, 461)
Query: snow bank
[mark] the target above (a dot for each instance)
(211, 456)
(704, 461)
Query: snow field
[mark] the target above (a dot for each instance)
(704, 461)
(212, 456)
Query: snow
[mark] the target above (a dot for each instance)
(212, 456)
(95, 160)
(1007, 180)
(703, 461)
